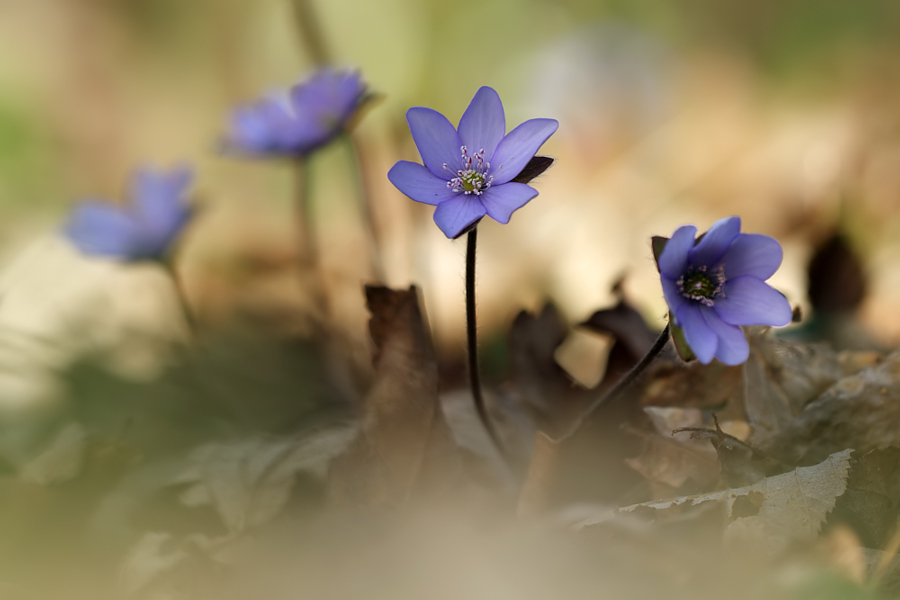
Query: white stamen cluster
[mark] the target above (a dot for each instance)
(473, 177)
(697, 285)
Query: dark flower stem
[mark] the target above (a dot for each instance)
(624, 383)
(471, 334)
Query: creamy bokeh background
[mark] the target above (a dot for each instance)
(785, 113)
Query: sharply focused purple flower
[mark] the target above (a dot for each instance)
(311, 115)
(144, 230)
(716, 285)
(469, 173)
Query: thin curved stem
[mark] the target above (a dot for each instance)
(471, 334)
(373, 237)
(624, 383)
(310, 31)
(183, 303)
(303, 211)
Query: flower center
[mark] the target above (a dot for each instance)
(701, 286)
(473, 177)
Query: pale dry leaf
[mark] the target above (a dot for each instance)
(774, 511)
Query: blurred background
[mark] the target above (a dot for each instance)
(129, 446)
(784, 112)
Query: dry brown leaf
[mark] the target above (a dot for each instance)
(773, 512)
(861, 411)
(673, 461)
(404, 444)
(780, 378)
(538, 382)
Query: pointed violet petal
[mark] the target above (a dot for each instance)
(673, 260)
(418, 183)
(250, 132)
(733, 348)
(328, 98)
(702, 340)
(674, 298)
(518, 147)
(750, 301)
(101, 229)
(752, 254)
(437, 141)
(483, 124)
(501, 201)
(715, 242)
(160, 197)
(453, 216)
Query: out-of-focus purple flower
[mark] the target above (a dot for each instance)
(144, 230)
(468, 172)
(310, 115)
(716, 285)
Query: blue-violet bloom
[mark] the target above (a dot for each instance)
(312, 114)
(716, 285)
(468, 172)
(144, 230)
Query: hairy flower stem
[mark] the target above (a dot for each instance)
(363, 191)
(471, 324)
(178, 282)
(308, 262)
(310, 32)
(303, 212)
(623, 384)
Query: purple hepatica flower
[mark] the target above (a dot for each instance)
(146, 229)
(468, 173)
(312, 114)
(714, 286)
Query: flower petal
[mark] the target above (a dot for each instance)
(752, 254)
(437, 141)
(673, 260)
(715, 242)
(160, 197)
(101, 229)
(673, 295)
(328, 97)
(733, 347)
(518, 147)
(748, 300)
(483, 124)
(501, 201)
(702, 340)
(453, 216)
(418, 183)
(250, 132)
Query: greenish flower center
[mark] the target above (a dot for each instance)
(697, 284)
